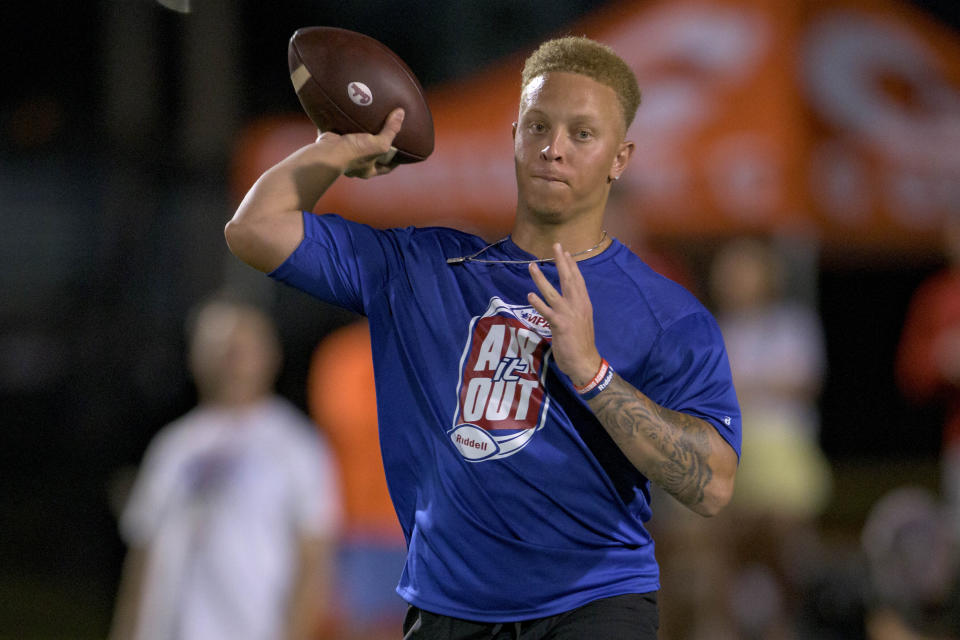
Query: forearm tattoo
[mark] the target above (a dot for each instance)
(669, 447)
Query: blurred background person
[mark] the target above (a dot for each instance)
(342, 401)
(911, 557)
(928, 357)
(231, 520)
(778, 359)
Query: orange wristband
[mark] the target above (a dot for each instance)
(597, 379)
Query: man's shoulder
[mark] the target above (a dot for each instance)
(429, 246)
(182, 432)
(406, 238)
(422, 232)
(445, 236)
(284, 417)
(666, 299)
(288, 426)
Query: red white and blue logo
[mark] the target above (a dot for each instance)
(501, 400)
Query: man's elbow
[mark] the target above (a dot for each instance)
(245, 243)
(716, 498)
(234, 233)
(264, 241)
(718, 492)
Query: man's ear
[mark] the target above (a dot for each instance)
(513, 131)
(622, 159)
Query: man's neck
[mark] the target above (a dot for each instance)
(232, 400)
(586, 237)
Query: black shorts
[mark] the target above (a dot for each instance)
(632, 616)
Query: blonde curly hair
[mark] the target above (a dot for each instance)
(577, 54)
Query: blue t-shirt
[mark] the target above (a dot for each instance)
(514, 501)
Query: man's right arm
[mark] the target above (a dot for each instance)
(268, 226)
(129, 601)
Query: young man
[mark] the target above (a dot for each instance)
(528, 390)
(233, 517)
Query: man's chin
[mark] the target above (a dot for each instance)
(548, 210)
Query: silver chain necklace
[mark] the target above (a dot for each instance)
(473, 258)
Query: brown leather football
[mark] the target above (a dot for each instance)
(348, 82)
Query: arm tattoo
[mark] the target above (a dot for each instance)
(669, 447)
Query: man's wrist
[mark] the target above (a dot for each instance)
(584, 383)
(599, 382)
(584, 374)
(335, 153)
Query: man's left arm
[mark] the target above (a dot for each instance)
(311, 594)
(682, 453)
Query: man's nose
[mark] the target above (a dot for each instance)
(553, 150)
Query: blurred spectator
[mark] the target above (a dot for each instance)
(778, 359)
(342, 401)
(743, 574)
(928, 358)
(231, 521)
(777, 355)
(911, 557)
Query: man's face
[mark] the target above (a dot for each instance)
(568, 142)
(233, 355)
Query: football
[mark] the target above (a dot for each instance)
(348, 82)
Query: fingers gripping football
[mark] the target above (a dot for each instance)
(367, 155)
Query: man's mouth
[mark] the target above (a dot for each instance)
(549, 177)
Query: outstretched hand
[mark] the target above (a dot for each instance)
(570, 314)
(367, 155)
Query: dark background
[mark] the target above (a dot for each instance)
(115, 128)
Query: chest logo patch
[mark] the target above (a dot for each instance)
(501, 400)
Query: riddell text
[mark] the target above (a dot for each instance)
(470, 442)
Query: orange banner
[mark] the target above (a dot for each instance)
(838, 118)
(881, 89)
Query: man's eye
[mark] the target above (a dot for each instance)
(537, 127)
(583, 134)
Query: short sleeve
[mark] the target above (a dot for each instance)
(150, 494)
(688, 371)
(341, 262)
